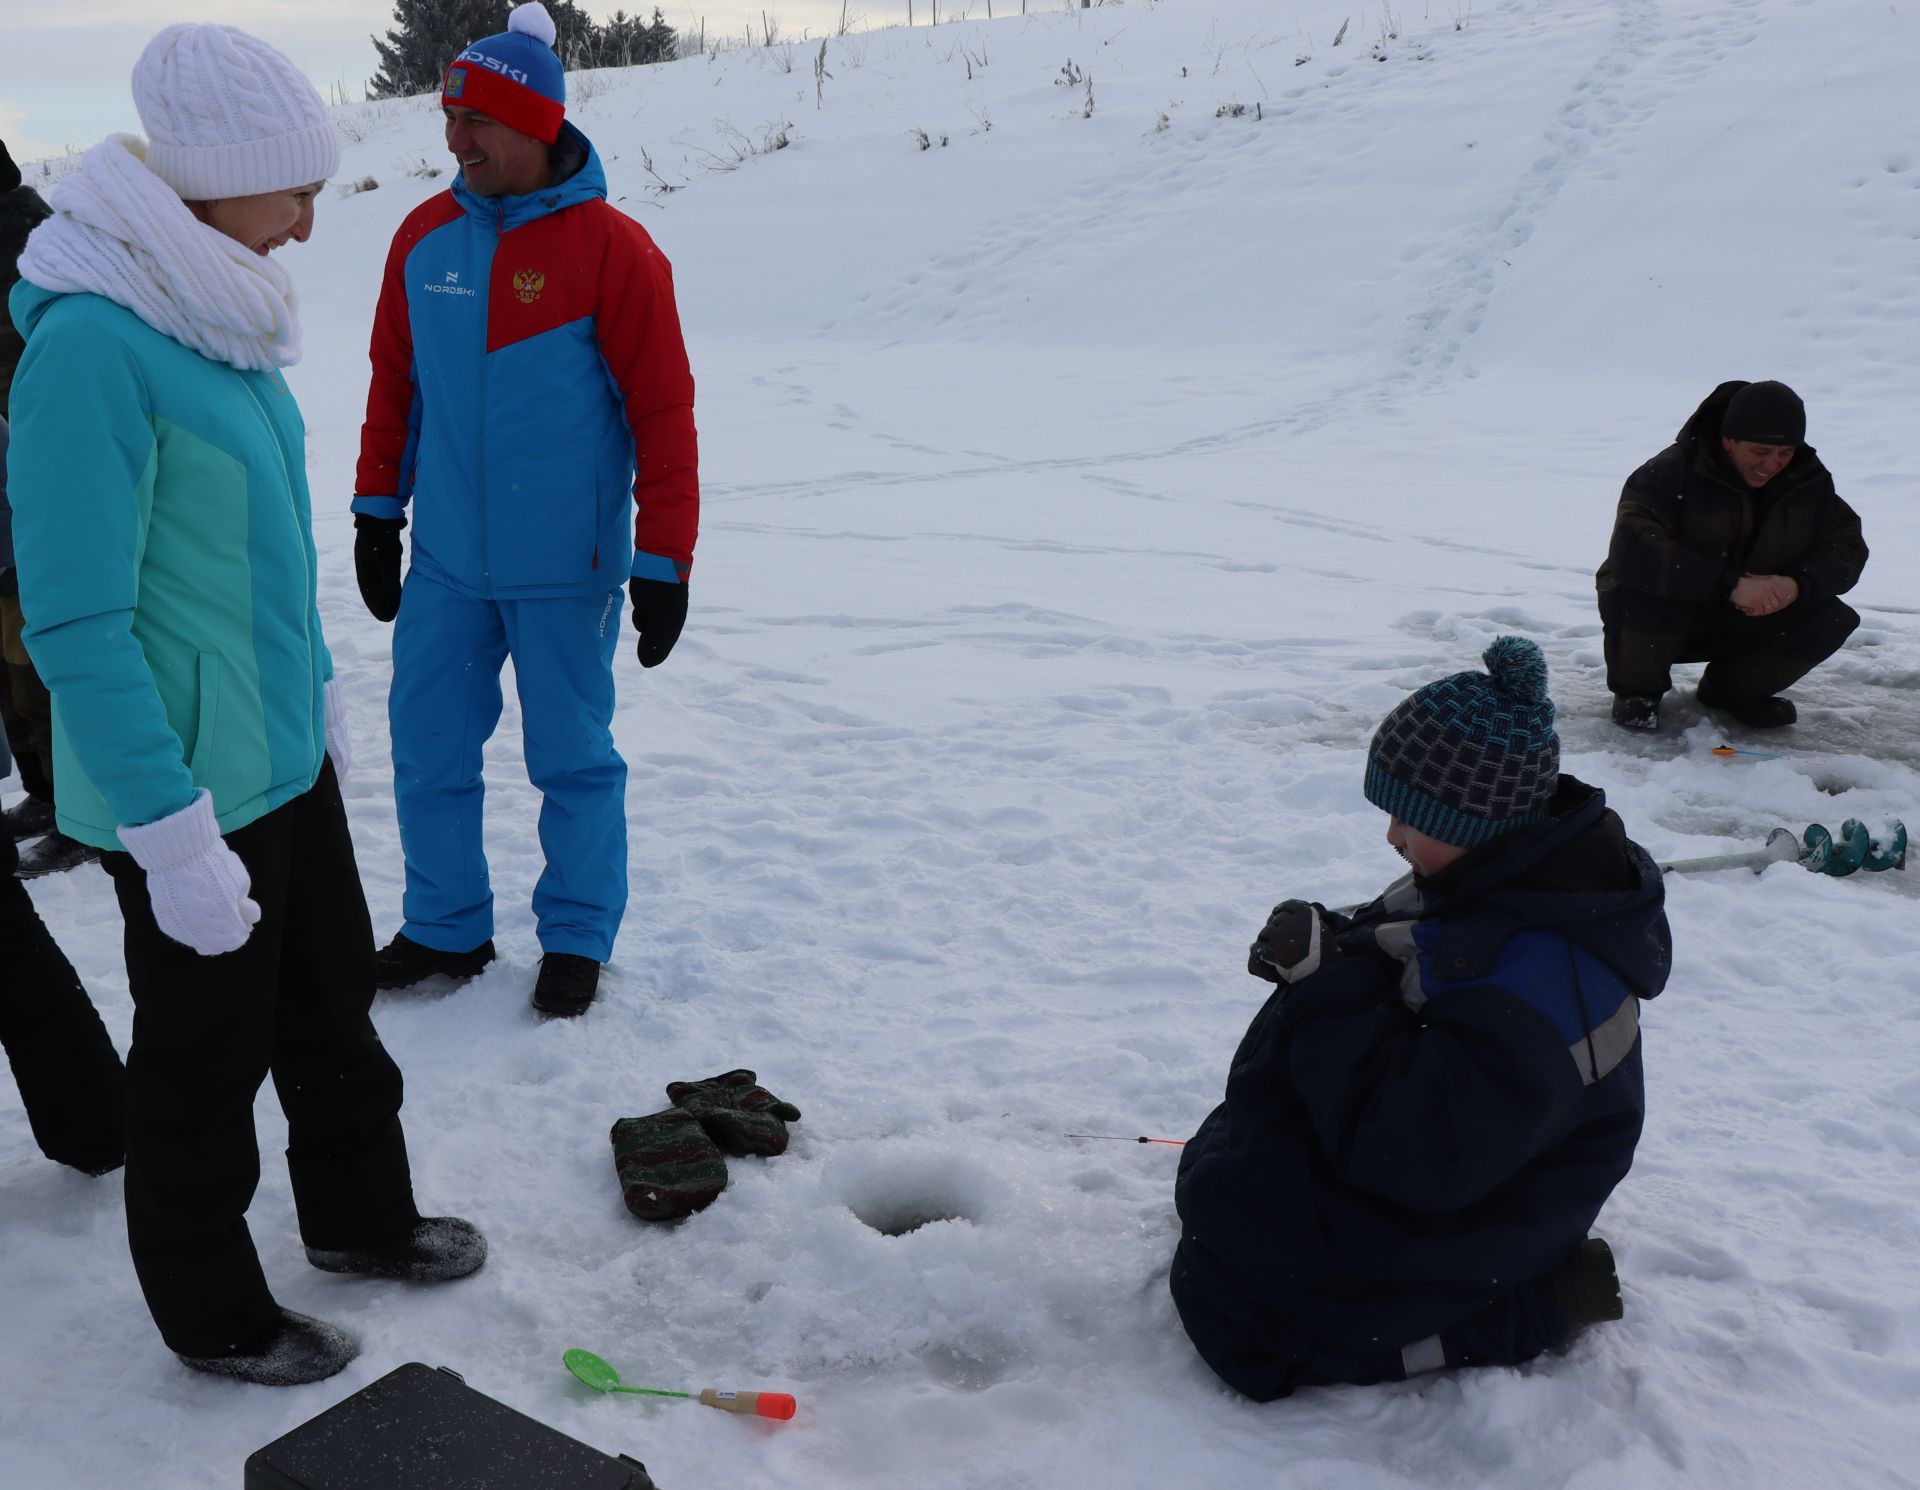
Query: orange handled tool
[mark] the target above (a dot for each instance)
(758, 1404)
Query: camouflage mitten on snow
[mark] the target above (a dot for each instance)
(667, 1165)
(737, 1113)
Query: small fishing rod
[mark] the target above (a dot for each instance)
(1178, 1143)
(1726, 752)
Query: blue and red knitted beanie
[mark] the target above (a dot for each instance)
(514, 77)
(1471, 756)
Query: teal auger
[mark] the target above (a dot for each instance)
(1817, 849)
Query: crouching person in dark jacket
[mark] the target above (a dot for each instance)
(1425, 1118)
(1731, 548)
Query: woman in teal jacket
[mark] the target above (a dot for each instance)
(168, 578)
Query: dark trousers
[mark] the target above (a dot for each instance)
(1265, 1357)
(70, 1078)
(26, 710)
(1748, 657)
(207, 1031)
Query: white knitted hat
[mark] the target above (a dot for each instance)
(228, 116)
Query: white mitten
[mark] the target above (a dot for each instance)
(197, 885)
(339, 746)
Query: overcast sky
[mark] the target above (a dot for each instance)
(64, 64)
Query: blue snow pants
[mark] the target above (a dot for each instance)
(448, 649)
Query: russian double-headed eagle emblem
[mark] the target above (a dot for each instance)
(528, 284)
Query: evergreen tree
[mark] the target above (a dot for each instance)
(577, 40)
(426, 36)
(622, 41)
(659, 44)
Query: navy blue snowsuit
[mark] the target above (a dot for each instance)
(1414, 1135)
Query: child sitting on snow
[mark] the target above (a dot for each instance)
(1423, 1121)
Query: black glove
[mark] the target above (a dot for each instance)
(376, 563)
(1293, 944)
(659, 611)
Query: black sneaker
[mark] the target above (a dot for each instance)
(1637, 711)
(566, 985)
(437, 1249)
(1585, 1285)
(1754, 713)
(54, 854)
(403, 962)
(299, 1350)
(28, 818)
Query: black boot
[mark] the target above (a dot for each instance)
(54, 854)
(299, 1350)
(1585, 1285)
(1637, 711)
(566, 985)
(403, 962)
(29, 818)
(1754, 713)
(436, 1249)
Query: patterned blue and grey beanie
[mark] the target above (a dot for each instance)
(1471, 756)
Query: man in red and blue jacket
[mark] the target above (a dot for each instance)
(530, 397)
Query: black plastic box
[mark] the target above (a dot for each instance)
(422, 1428)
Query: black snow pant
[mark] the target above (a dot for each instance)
(70, 1077)
(294, 1002)
(1748, 657)
(1265, 1359)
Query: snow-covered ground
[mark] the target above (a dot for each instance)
(1079, 492)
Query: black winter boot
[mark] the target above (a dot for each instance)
(566, 985)
(29, 818)
(1586, 1287)
(437, 1249)
(54, 854)
(299, 1350)
(403, 962)
(1637, 711)
(1754, 713)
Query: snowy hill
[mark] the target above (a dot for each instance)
(1080, 490)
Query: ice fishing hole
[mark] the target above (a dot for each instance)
(899, 1189)
(902, 1215)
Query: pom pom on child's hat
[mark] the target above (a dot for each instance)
(513, 77)
(1471, 756)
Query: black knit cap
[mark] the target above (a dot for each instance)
(1473, 755)
(1767, 414)
(9, 172)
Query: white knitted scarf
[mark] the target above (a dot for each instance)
(119, 231)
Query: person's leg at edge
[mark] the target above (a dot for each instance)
(16, 697)
(71, 1080)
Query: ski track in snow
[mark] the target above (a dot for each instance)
(1079, 495)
